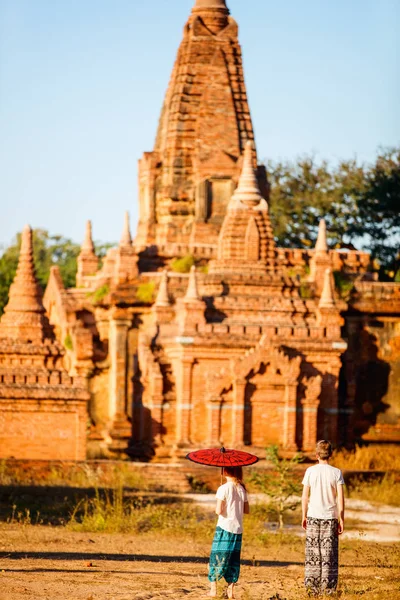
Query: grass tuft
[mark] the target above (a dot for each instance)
(364, 458)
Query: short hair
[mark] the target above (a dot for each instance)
(323, 449)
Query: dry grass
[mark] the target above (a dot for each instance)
(80, 475)
(111, 512)
(365, 458)
(383, 491)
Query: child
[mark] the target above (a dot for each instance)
(323, 520)
(232, 503)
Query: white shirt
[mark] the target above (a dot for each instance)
(234, 497)
(323, 481)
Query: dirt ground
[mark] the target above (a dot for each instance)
(52, 563)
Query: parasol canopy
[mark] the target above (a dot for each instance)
(221, 457)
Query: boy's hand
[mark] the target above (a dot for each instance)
(304, 523)
(340, 526)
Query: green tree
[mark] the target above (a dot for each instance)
(361, 205)
(378, 207)
(282, 485)
(303, 193)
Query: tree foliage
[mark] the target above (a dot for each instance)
(360, 203)
(378, 206)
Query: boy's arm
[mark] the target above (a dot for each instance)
(340, 503)
(304, 505)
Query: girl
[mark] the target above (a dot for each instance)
(232, 503)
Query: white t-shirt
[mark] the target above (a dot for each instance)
(234, 497)
(323, 481)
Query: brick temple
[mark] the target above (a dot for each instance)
(253, 345)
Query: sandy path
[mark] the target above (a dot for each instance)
(371, 522)
(48, 563)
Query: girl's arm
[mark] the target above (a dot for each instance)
(220, 508)
(246, 508)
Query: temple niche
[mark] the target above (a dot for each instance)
(255, 344)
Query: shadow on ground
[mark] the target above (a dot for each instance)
(54, 505)
(93, 556)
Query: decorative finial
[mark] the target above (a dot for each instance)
(321, 244)
(192, 291)
(88, 241)
(162, 295)
(327, 299)
(126, 238)
(247, 191)
(210, 4)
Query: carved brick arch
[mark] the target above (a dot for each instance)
(265, 353)
(265, 386)
(277, 376)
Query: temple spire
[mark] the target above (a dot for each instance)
(192, 293)
(126, 238)
(88, 245)
(88, 263)
(321, 244)
(247, 191)
(327, 299)
(24, 316)
(163, 295)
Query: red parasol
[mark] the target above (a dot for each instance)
(219, 457)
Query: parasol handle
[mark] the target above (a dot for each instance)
(222, 450)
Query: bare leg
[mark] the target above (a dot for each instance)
(213, 590)
(230, 591)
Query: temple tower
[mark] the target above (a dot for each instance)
(186, 183)
(43, 411)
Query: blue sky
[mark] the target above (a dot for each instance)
(82, 84)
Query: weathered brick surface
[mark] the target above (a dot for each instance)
(185, 184)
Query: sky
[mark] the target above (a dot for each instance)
(82, 84)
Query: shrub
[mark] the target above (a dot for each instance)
(68, 344)
(305, 291)
(343, 284)
(145, 292)
(98, 295)
(282, 485)
(183, 265)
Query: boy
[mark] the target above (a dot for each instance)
(323, 521)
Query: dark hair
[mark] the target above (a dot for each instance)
(323, 449)
(236, 473)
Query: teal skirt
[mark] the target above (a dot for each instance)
(225, 556)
